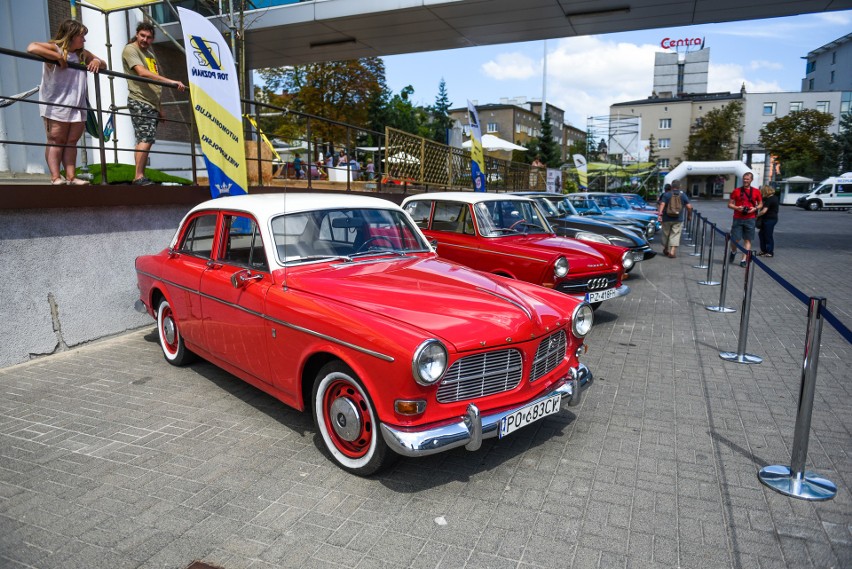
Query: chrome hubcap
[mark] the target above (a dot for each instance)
(169, 330)
(345, 419)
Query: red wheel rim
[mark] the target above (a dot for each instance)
(168, 327)
(347, 418)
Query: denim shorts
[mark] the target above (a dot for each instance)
(742, 229)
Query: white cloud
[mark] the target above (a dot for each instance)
(762, 64)
(731, 77)
(511, 66)
(585, 75)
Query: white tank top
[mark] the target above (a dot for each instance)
(63, 86)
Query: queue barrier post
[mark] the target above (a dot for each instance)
(699, 239)
(701, 264)
(687, 227)
(724, 288)
(740, 356)
(795, 481)
(709, 280)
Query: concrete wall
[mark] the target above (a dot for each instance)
(68, 274)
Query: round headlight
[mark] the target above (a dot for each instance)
(582, 319)
(430, 362)
(591, 237)
(627, 260)
(560, 268)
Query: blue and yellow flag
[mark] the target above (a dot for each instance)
(477, 160)
(214, 89)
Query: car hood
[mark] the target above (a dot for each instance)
(465, 308)
(595, 226)
(578, 253)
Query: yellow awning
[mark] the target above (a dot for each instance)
(112, 5)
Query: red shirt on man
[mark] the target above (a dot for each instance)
(746, 196)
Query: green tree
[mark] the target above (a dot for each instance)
(714, 136)
(402, 114)
(440, 115)
(336, 90)
(843, 140)
(653, 184)
(801, 142)
(548, 149)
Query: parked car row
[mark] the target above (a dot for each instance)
(341, 305)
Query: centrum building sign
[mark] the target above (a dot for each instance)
(670, 43)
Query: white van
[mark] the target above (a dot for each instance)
(832, 192)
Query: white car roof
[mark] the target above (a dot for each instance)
(467, 197)
(265, 206)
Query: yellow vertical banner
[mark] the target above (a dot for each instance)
(477, 158)
(215, 92)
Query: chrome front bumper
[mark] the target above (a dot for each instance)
(473, 427)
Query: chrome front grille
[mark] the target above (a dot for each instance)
(550, 352)
(584, 285)
(480, 375)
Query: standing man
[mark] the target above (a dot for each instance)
(144, 98)
(746, 201)
(672, 205)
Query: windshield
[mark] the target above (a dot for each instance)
(548, 207)
(635, 199)
(611, 202)
(344, 233)
(507, 217)
(586, 206)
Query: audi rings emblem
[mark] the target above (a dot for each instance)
(597, 284)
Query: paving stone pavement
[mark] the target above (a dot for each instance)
(111, 458)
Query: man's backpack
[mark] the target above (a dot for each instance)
(675, 205)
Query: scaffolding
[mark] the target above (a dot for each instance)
(615, 153)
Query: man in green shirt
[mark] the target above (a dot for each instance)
(143, 101)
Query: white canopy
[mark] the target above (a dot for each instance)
(707, 169)
(494, 143)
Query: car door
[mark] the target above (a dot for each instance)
(452, 228)
(182, 270)
(843, 193)
(233, 295)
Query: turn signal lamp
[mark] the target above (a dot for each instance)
(409, 407)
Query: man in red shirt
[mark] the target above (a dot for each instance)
(746, 201)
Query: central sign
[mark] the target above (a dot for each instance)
(669, 43)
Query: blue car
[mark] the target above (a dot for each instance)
(617, 205)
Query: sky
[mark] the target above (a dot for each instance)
(585, 75)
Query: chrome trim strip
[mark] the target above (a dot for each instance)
(523, 308)
(414, 442)
(338, 341)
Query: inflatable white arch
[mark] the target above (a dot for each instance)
(685, 169)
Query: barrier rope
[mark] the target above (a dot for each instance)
(841, 328)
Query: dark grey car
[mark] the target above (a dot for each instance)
(587, 229)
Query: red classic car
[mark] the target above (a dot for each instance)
(508, 235)
(338, 303)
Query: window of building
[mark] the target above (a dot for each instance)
(810, 84)
(665, 142)
(663, 162)
(810, 67)
(768, 108)
(822, 106)
(518, 128)
(846, 102)
(665, 124)
(796, 106)
(833, 57)
(492, 127)
(831, 77)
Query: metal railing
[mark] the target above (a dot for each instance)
(399, 159)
